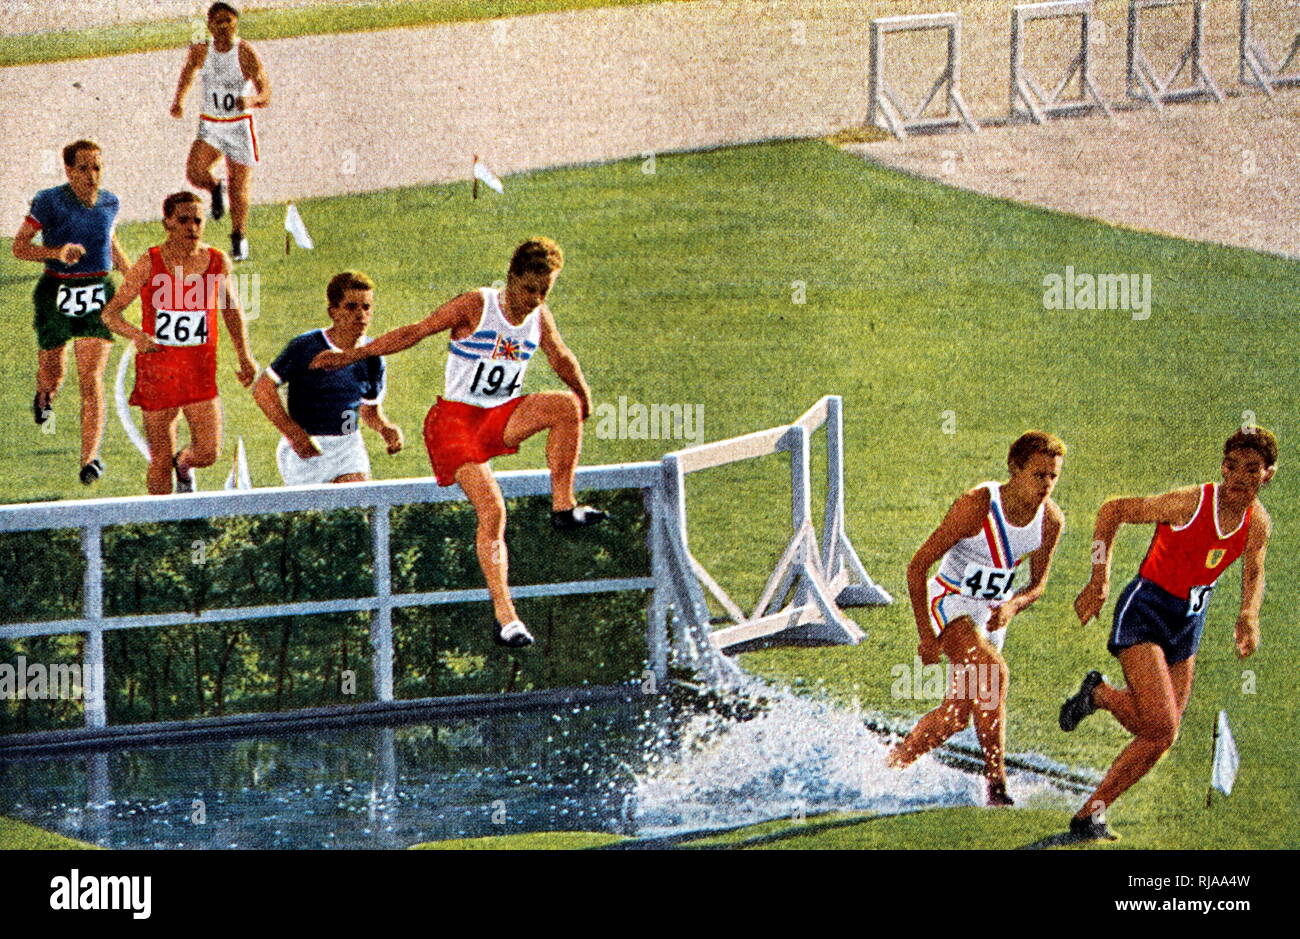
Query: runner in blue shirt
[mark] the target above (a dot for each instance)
(320, 434)
(78, 248)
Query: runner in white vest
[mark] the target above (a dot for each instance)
(234, 82)
(485, 413)
(963, 611)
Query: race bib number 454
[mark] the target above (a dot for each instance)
(988, 583)
(85, 300)
(180, 327)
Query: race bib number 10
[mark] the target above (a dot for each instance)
(988, 583)
(86, 300)
(180, 327)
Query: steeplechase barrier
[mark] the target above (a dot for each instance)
(1144, 84)
(888, 110)
(1255, 66)
(1029, 98)
(820, 576)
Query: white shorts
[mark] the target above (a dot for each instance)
(338, 457)
(947, 604)
(233, 136)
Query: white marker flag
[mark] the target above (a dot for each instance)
(294, 226)
(489, 178)
(239, 477)
(1226, 759)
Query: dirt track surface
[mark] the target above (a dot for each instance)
(400, 107)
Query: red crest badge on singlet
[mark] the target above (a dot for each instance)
(1214, 557)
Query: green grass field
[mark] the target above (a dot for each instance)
(680, 287)
(260, 25)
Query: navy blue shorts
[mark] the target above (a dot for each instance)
(1146, 612)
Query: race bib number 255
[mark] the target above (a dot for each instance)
(85, 300)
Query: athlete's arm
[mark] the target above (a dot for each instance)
(1252, 582)
(25, 250)
(451, 314)
(963, 520)
(233, 315)
(1040, 566)
(120, 261)
(564, 362)
(1175, 508)
(136, 276)
(373, 416)
(267, 396)
(251, 65)
(193, 62)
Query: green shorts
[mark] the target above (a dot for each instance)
(69, 308)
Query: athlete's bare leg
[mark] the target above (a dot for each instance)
(160, 434)
(49, 370)
(204, 419)
(239, 177)
(964, 645)
(1158, 695)
(198, 166)
(560, 412)
(351, 478)
(490, 539)
(92, 354)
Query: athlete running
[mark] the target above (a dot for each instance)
(1159, 617)
(234, 82)
(963, 612)
(181, 284)
(484, 413)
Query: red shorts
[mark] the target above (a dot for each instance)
(457, 433)
(169, 380)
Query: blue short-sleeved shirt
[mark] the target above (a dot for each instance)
(325, 402)
(63, 219)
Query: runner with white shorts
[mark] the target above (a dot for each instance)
(962, 613)
(321, 434)
(234, 82)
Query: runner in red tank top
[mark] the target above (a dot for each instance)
(1160, 616)
(181, 283)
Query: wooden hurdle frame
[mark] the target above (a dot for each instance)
(1028, 99)
(887, 110)
(1255, 67)
(1143, 82)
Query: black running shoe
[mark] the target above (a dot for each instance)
(41, 409)
(184, 481)
(513, 635)
(580, 516)
(1079, 705)
(218, 200)
(91, 471)
(1088, 829)
(998, 794)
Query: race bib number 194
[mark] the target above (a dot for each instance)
(987, 583)
(86, 300)
(180, 327)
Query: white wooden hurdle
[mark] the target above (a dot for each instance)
(887, 108)
(1255, 67)
(1144, 84)
(1028, 97)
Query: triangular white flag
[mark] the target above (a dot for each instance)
(239, 477)
(488, 177)
(294, 226)
(1226, 759)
